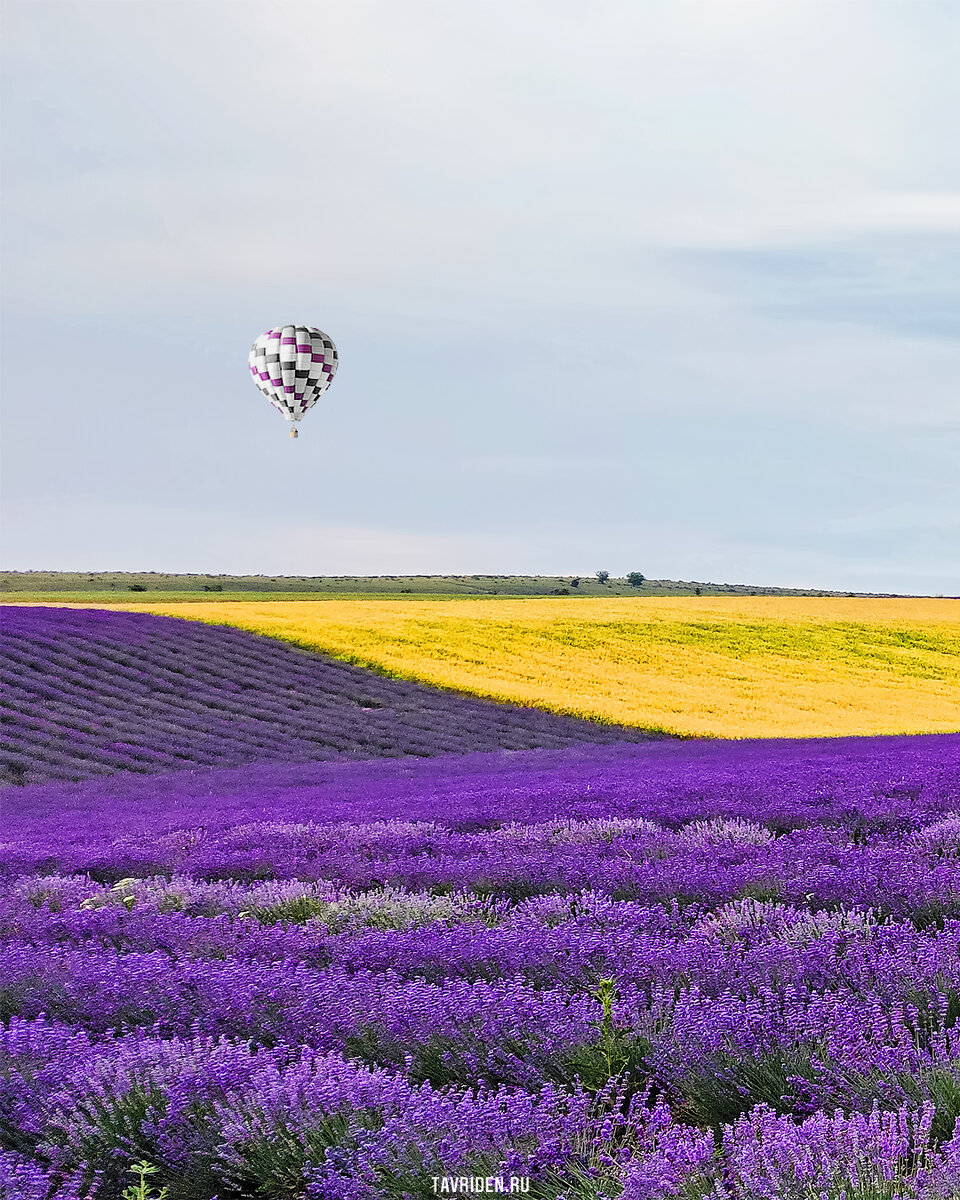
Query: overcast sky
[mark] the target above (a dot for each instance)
(656, 285)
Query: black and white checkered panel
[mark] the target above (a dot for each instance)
(293, 365)
(319, 364)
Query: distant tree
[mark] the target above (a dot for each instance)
(560, 592)
(575, 582)
(699, 591)
(603, 576)
(136, 587)
(635, 579)
(213, 587)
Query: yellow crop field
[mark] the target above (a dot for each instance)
(719, 666)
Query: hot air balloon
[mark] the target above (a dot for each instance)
(293, 365)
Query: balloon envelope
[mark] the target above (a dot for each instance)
(293, 365)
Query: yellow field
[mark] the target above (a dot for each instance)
(728, 667)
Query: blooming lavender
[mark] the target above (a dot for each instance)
(660, 971)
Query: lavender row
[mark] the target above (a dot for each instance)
(554, 941)
(225, 1119)
(859, 784)
(88, 693)
(913, 873)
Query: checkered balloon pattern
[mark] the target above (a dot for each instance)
(293, 365)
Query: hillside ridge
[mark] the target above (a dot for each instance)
(90, 693)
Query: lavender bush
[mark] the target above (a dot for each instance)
(665, 970)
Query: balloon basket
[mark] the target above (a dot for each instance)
(293, 433)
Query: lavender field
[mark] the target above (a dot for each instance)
(481, 944)
(673, 969)
(92, 692)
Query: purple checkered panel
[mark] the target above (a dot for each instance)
(293, 365)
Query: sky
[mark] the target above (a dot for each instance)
(657, 285)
